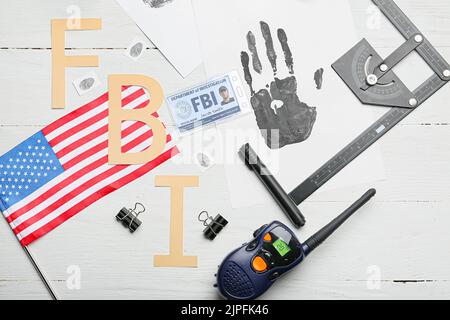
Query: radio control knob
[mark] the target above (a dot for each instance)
(255, 234)
(267, 255)
(252, 245)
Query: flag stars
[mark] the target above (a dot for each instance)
(26, 170)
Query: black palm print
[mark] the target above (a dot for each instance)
(281, 117)
(157, 3)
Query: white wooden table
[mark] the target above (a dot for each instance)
(402, 235)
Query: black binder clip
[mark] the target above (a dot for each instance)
(129, 217)
(213, 226)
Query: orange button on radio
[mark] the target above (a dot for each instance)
(267, 237)
(259, 265)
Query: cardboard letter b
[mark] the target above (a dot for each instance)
(117, 115)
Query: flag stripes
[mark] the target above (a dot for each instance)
(80, 142)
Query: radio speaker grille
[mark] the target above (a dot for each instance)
(236, 282)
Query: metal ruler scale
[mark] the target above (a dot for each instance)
(392, 117)
(404, 25)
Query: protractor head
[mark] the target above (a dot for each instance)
(356, 69)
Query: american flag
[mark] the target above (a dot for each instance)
(63, 168)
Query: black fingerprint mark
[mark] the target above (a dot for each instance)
(204, 160)
(157, 3)
(251, 41)
(286, 50)
(318, 78)
(136, 50)
(86, 84)
(265, 29)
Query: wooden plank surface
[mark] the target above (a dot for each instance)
(401, 235)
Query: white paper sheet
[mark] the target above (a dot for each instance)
(318, 33)
(170, 25)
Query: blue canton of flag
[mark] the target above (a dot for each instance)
(26, 168)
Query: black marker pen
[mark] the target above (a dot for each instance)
(254, 163)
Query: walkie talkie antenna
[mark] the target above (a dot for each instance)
(315, 240)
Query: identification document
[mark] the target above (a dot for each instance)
(218, 99)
